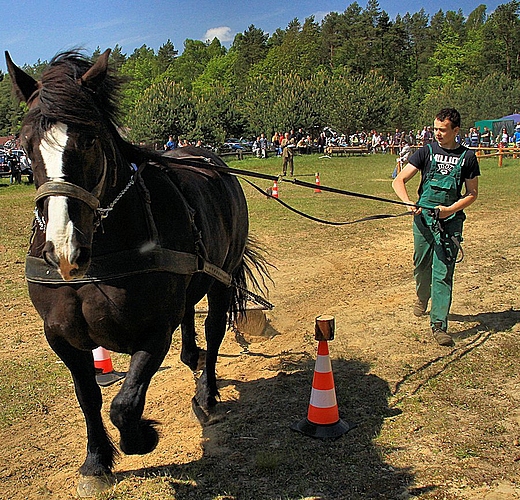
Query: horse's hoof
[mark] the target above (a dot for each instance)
(142, 442)
(90, 486)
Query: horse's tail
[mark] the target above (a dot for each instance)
(254, 272)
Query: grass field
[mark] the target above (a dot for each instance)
(433, 424)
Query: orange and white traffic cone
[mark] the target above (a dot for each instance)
(105, 373)
(274, 193)
(317, 189)
(323, 415)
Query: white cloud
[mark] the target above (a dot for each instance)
(223, 33)
(321, 15)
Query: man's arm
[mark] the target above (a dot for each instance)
(399, 186)
(469, 197)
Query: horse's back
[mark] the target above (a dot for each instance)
(219, 204)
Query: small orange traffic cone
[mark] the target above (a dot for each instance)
(274, 193)
(323, 415)
(317, 189)
(105, 374)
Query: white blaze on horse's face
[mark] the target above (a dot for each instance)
(60, 228)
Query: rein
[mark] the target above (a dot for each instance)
(248, 173)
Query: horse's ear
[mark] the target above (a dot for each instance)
(97, 73)
(24, 85)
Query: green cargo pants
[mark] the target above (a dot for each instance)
(435, 254)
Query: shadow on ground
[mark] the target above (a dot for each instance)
(250, 452)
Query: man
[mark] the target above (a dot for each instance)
(485, 139)
(446, 166)
(15, 168)
(170, 144)
(287, 154)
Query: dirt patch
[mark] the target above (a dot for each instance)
(428, 422)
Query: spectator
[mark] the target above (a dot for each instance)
(321, 143)
(474, 137)
(427, 136)
(276, 143)
(287, 154)
(516, 136)
(170, 144)
(15, 168)
(504, 139)
(262, 144)
(485, 139)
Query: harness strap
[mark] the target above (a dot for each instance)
(127, 263)
(64, 188)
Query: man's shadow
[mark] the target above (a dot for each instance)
(250, 451)
(486, 321)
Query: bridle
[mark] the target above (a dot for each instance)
(90, 198)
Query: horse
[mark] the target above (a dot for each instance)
(125, 243)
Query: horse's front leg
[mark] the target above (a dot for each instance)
(138, 436)
(97, 469)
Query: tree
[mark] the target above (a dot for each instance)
(166, 56)
(140, 70)
(504, 28)
(165, 108)
(357, 102)
(192, 63)
(250, 48)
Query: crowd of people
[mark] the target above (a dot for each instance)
(374, 141)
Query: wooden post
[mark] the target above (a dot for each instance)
(324, 328)
(500, 154)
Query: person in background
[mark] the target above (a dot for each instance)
(170, 144)
(504, 138)
(485, 139)
(287, 154)
(446, 168)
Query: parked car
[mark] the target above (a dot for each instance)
(234, 144)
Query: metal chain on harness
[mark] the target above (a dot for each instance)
(103, 212)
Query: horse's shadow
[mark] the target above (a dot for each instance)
(486, 321)
(251, 452)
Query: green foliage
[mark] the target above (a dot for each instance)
(165, 108)
(356, 69)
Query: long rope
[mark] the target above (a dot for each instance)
(323, 221)
(207, 163)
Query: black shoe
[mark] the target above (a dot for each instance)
(442, 337)
(419, 308)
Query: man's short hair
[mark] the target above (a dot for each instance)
(450, 114)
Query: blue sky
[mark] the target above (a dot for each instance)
(36, 30)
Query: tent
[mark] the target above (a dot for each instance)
(515, 117)
(496, 126)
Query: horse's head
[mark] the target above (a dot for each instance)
(65, 135)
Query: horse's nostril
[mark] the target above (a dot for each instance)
(82, 256)
(49, 255)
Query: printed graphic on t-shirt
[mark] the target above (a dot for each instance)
(446, 163)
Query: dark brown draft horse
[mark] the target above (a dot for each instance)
(125, 243)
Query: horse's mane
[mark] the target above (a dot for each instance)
(63, 99)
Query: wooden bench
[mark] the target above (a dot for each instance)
(346, 150)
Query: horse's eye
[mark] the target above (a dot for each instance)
(86, 142)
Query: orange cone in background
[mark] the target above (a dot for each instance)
(275, 189)
(323, 415)
(105, 374)
(317, 189)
